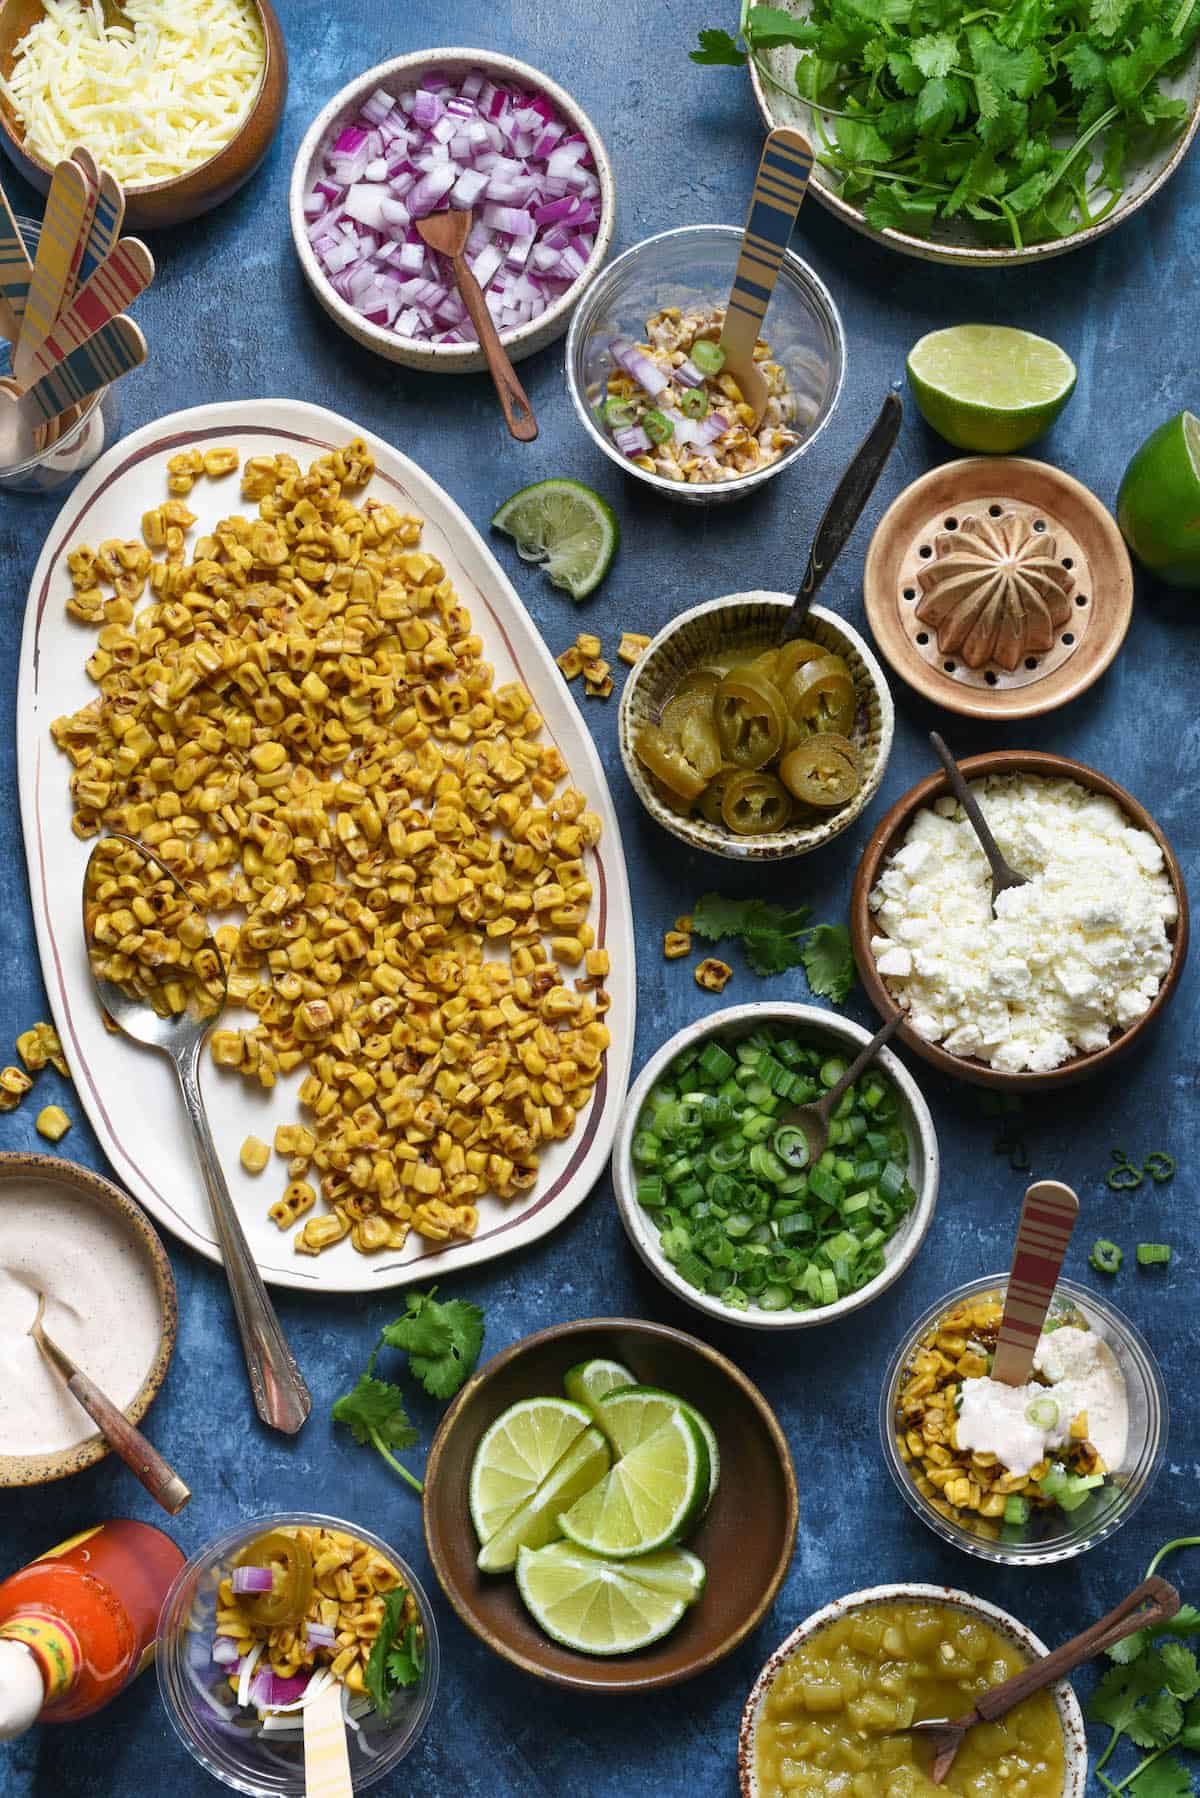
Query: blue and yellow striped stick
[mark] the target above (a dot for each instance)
(116, 348)
(779, 190)
(16, 271)
(67, 206)
(107, 219)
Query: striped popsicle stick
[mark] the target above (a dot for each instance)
(1047, 1219)
(779, 190)
(16, 271)
(89, 168)
(107, 220)
(115, 284)
(326, 1754)
(66, 208)
(117, 347)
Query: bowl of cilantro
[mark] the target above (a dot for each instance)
(978, 138)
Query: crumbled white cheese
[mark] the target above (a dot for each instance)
(1077, 953)
(148, 103)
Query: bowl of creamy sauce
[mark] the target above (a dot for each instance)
(110, 1303)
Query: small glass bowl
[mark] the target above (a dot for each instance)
(272, 1765)
(694, 265)
(1052, 1535)
(60, 464)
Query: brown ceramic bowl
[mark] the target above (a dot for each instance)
(745, 1540)
(81, 1183)
(162, 203)
(887, 837)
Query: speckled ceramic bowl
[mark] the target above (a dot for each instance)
(398, 72)
(750, 620)
(80, 1183)
(846, 1038)
(1069, 1714)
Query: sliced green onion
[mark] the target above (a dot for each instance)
(1106, 1257)
(1153, 1254)
(1159, 1165)
(708, 357)
(1042, 1413)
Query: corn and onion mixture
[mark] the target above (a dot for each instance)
(301, 725)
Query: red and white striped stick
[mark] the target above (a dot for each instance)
(1047, 1219)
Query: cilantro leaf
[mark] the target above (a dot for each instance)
(829, 961)
(905, 73)
(1185, 1622)
(1166, 1778)
(1155, 1721)
(406, 1663)
(940, 106)
(717, 48)
(442, 1340)
(769, 27)
(1129, 1647)
(1183, 1675)
(1108, 16)
(1122, 1689)
(397, 1654)
(374, 1412)
(936, 53)
(1190, 1735)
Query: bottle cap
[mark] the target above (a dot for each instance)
(22, 1693)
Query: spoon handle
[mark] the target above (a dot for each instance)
(518, 413)
(1161, 1601)
(281, 1398)
(141, 1457)
(779, 189)
(1047, 1219)
(842, 513)
(863, 1059)
(962, 792)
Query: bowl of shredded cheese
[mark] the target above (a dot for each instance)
(180, 105)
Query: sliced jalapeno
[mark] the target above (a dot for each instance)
(700, 744)
(694, 403)
(795, 655)
(711, 799)
(751, 718)
(754, 803)
(693, 697)
(657, 426)
(619, 414)
(820, 695)
(667, 761)
(292, 1586)
(823, 771)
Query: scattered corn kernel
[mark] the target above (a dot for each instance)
(713, 975)
(52, 1122)
(632, 646)
(588, 645)
(571, 662)
(254, 1155)
(676, 943)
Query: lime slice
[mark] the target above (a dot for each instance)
(566, 527)
(677, 1572)
(515, 1456)
(590, 1381)
(1158, 506)
(989, 387)
(630, 1414)
(536, 1522)
(649, 1499)
(593, 1605)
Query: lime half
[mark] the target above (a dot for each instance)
(516, 1454)
(590, 1381)
(536, 1522)
(1158, 507)
(649, 1499)
(566, 527)
(989, 387)
(593, 1605)
(631, 1413)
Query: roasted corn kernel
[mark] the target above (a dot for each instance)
(676, 943)
(713, 975)
(632, 646)
(254, 1155)
(52, 1122)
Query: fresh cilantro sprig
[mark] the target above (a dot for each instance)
(1151, 1697)
(442, 1340)
(397, 1656)
(775, 939)
(997, 113)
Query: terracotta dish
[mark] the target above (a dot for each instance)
(160, 204)
(81, 1183)
(887, 837)
(745, 1541)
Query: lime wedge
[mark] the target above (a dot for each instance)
(989, 387)
(566, 527)
(677, 1572)
(536, 1522)
(630, 1414)
(516, 1454)
(590, 1381)
(1158, 506)
(649, 1499)
(593, 1605)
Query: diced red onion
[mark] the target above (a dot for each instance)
(712, 427)
(632, 441)
(253, 1579)
(635, 362)
(320, 1635)
(688, 375)
(225, 1651)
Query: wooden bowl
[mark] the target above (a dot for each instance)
(81, 1183)
(159, 204)
(886, 839)
(745, 1540)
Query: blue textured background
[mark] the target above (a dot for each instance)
(229, 316)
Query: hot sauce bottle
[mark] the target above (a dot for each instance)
(78, 1624)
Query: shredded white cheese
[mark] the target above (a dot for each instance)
(148, 103)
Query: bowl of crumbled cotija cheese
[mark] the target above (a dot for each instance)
(1069, 969)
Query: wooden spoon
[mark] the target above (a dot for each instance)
(160, 1480)
(447, 233)
(1003, 876)
(326, 1753)
(813, 1119)
(1153, 1602)
(779, 189)
(1047, 1219)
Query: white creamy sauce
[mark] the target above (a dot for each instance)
(102, 1307)
(1083, 1376)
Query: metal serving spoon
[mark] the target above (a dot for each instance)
(447, 233)
(1148, 1604)
(1003, 876)
(813, 1118)
(280, 1396)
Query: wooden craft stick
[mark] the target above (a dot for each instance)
(1047, 1219)
(326, 1754)
(116, 348)
(66, 206)
(89, 169)
(115, 284)
(107, 220)
(16, 272)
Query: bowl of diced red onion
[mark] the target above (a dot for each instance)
(455, 128)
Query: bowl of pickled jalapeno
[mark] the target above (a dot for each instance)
(749, 747)
(714, 1184)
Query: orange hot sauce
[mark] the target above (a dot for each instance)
(87, 1611)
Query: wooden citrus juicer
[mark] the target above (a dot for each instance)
(1003, 876)
(779, 189)
(447, 233)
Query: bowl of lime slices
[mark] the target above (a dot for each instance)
(610, 1505)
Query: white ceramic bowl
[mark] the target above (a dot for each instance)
(733, 1023)
(749, 620)
(1069, 1714)
(398, 72)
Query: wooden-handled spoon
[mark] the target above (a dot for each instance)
(1047, 1219)
(813, 1119)
(447, 233)
(1003, 876)
(160, 1480)
(326, 1752)
(779, 189)
(1153, 1602)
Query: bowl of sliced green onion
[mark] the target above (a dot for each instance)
(714, 1185)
